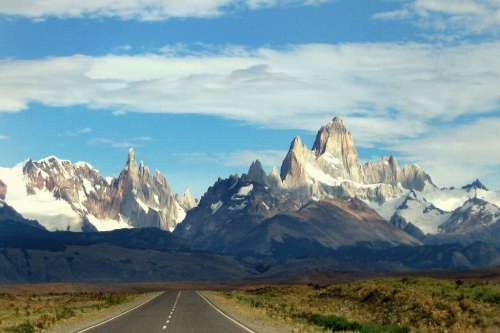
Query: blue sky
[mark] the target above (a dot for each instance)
(202, 88)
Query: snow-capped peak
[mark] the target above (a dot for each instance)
(51, 159)
(66, 196)
(473, 215)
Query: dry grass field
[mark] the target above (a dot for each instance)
(383, 305)
(27, 313)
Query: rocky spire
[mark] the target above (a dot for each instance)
(292, 164)
(187, 200)
(274, 178)
(131, 171)
(131, 162)
(336, 140)
(256, 173)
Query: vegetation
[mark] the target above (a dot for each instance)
(393, 305)
(32, 313)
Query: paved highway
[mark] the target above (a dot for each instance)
(173, 311)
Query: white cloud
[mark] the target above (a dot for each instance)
(459, 153)
(393, 14)
(144, 10)
(239, 158)
(78, 132)
(386, 91)
(121, 144)
(454, 18)
(243, 158)
(3, 137)
(389, 94)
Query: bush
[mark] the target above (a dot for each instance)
(114, 299)
(25, 327)
(338, 324)
(64, 313)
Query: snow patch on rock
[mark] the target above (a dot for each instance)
(216, 206)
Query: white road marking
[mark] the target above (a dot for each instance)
(225, 315)
(118, 316)
(173, 309)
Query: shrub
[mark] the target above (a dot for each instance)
(25, 327)
(64, 313)
(338, 324)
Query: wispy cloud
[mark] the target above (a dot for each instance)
(78, 132)
(463, 152)
(389, 94)
(121, 144)
(452, 18)
(386, 91)
(3, 137)
(239, 158)
(148, 10)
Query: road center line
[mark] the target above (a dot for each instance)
(173, 309)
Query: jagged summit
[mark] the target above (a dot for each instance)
(256, 173)
(51, 159)
(474, 215)
(131, 162)
(332, 167)
(291, 168)
(335, 139)
(187, 201)
(296, 143)
(66, 196)
(476, 184)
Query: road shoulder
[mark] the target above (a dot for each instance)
(78, 324)
(255, 319)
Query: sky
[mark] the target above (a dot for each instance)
(201, 88)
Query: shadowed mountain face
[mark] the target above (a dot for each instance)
(29, 254)
(321, 236)
(249, 216)
(229, 210)
(320, 227)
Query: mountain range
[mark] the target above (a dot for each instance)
(324, 206)
(75, 197)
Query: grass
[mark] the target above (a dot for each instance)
(33, 313)
(393, 305)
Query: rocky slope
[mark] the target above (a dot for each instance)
(66, 196)
(254, 214)
(319, 228)
(231, 208)
(474, 216)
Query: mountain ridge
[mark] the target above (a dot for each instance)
(70, 196)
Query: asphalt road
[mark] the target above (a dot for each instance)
(173, 311)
